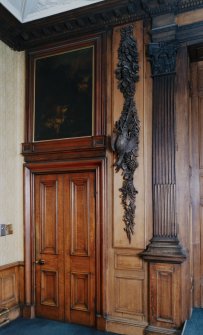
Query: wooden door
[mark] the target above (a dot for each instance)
(49, 278)
(65, 247)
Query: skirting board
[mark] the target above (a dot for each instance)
(126, 327)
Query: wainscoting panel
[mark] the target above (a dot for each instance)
(12, 288)
(129, 303)
(129, 284)
(165, 294)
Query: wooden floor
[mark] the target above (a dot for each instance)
(46, 327)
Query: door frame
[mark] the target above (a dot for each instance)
(30, 170)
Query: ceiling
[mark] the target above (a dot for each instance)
(30, 10)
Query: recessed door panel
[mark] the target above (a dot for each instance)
(49, 288)
(79, 215)
(80, 292)
(49, 216)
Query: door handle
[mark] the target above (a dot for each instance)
(40, 262)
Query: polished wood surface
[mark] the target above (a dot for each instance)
(131, 295)
(70, 281)
(127, 290)
(196, 184)
(65, 247)
(164, 295)
(182, 177)
(80, 252)
(49, 246)
(12, 288)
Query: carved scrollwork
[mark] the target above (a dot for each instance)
(125, 138)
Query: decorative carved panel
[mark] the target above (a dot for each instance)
(125, 138)
(163, 57)
(49, 288)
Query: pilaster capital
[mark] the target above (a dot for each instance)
(162, 56)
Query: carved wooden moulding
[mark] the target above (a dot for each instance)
(125, 138)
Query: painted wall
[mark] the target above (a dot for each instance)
(12, 101)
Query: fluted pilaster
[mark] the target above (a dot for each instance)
(164, 245)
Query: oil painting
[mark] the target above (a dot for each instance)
(64, 101)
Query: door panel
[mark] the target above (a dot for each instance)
(49, 283)
(80, 247)
(49, 246)
(65, 241)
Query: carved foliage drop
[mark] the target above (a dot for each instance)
(125, 139)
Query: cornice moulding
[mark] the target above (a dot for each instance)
(88, 19)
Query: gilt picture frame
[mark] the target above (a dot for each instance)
(63, 99)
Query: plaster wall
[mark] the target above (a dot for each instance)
(12, 101)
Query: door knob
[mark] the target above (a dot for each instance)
(40, 262)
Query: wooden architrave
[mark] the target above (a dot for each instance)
(98, 166)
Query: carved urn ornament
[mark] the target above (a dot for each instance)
(125, 138)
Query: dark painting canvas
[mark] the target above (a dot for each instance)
(64, 95)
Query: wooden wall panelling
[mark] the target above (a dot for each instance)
(11, 288)
(189, 17)
(164, 287)
(28, 308)
(127, 275)
(200, 93)
(183, 208)
(127, 313)
(196, 177)
(165, 245)
(138, 239)
(130, 274)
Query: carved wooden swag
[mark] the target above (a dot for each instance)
(125, 138)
